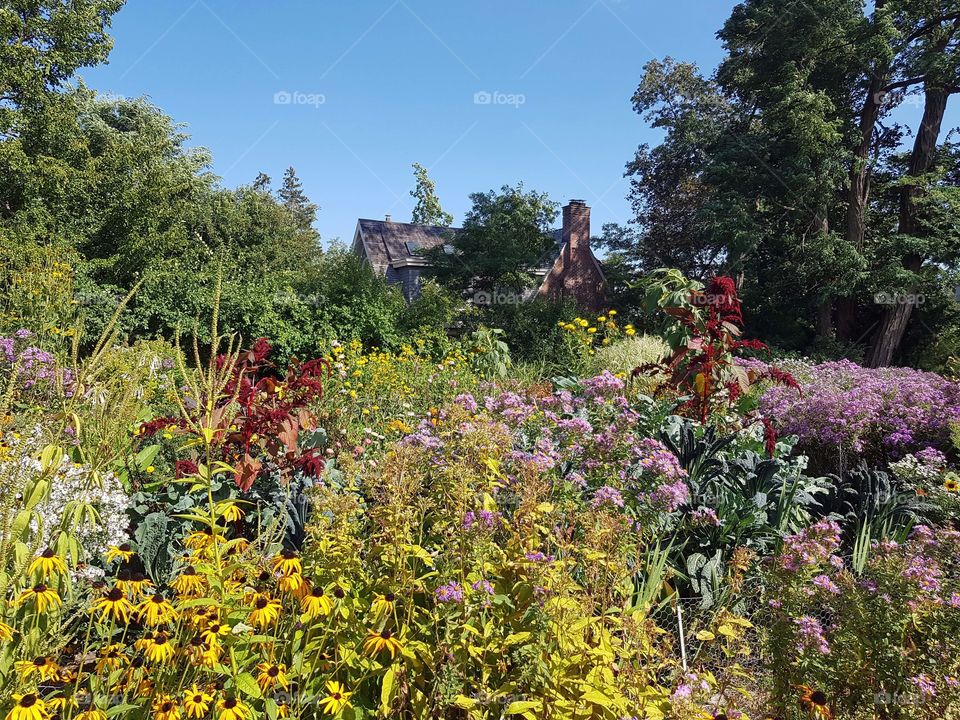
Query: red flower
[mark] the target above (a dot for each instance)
(182, 468)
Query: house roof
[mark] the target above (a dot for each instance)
(387, 243)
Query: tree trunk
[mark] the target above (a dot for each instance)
(858, 193)
(897, 317)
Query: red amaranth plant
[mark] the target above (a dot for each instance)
(705, 347)
(263, 414)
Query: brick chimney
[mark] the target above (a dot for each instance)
(576, 229)
(576, 274)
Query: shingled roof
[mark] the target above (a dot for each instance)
(387, 243)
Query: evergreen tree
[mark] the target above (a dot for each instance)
(296, 201)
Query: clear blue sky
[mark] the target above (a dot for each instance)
(398, 80)
(376, 85)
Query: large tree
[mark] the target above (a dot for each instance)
(505, 235)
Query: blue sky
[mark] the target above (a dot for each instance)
(386, 83)
(352, 93)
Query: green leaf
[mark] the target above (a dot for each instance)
(387, 691)
(247, 685)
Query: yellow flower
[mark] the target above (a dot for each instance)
(211, 635)
(156, 610)
(337, 698)
(376, 642)
(612, 313)
(43, 667)
(6, 632)
(230, 511)
(28, 707)
(287, 563)
(316, 603)
(631, 332)
(124, 553)
(293, 584)
(232, 709)
(383, 604)
(42, 597)
(265, 611)
(114, 605)
(165, 708)
(47, 564)
(272, 675)
(151, 469)
(952, 483)
(197, 702)
(111, 658)
(591, 330)
(188, 583)
(159, 649)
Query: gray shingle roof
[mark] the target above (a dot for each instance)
(386, 243)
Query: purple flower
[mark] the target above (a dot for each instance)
(825, 583)
(466, 401)
(483, 586)
(606, 495)
(811, 636)
(671, 497)
(449, 593)
(925, 685)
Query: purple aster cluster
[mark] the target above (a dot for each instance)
(36, 367)
(924, 685)
(812, 546)
(825, 583)
(607, 495)
(655, 458)
(449, 593)
(810, 635)
(865, 410)
(605, 384)
(483, 586)
(481, 520)
(671, 496)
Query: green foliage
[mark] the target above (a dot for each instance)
(504, 236)
(427, 210)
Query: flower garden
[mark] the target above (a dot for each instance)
(677, 528)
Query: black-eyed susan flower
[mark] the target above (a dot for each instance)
(283, 710)
(316, 603)
(113, 606)
(230, 708)
(952, 483)
(6, 632)
(213, 632)
(159, 649)
(272, 675)
(124, 553)
(265, 611)
(156, 610)
(379, 640)
(165, 708)
(229, 511)
(111, 658)
(41, 597)
(815, 703)
(196, 702)
(139, 585)
(294, 584)
(93, 713)
(28, 707)
(42, 668)
(202, 541)
(337, 698)
(383, 604)
(188, 583)
(47, 564)
(287, 563)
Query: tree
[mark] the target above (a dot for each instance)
(427, 211)
(504, 236)
(42, 44)
(296, 201)
(262, 183)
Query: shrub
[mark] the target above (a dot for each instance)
(879, 642)
(848, 412)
